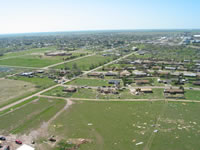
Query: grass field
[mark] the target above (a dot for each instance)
(89, 82)
(40, 83)
(34, 60)
(120, 125)
(27, 52)
(85, 63)
(11, 89)
(31, 116)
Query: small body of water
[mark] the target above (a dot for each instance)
(5, 69)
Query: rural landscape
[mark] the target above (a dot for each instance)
(100, 90)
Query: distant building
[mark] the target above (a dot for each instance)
(58, 54)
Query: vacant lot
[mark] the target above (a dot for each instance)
(10, 89)
(121, 125)
(87, 62)
(30, 116)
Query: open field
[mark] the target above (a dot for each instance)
(11, 89)
(31, 116)
(40, 83)
(34, 60)
(85, 63)
(121, 125)
(27, 52)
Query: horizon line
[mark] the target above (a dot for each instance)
(101, 30)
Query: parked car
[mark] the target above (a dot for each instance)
(18, 142)
(2, 138)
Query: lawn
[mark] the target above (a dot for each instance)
(84, 64)
(192, 95)
(121, 125)
(31, 116)
(11, 89)
(89, 82)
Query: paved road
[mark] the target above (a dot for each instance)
(54, 86)
(124, 100)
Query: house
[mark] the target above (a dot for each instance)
(125, 73)
(190, 74)
(25, 147)
(196, 83)
(135, 48)
(110, 74)
(174, 91)
(140, 82)
(140, 74)
(95, 74)
(58, 54)
(39, 71)
(70, 90)
(27, 73)
(116, 82)
(170, 68)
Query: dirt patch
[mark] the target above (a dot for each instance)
(13, 88)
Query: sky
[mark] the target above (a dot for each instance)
(22, 16)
